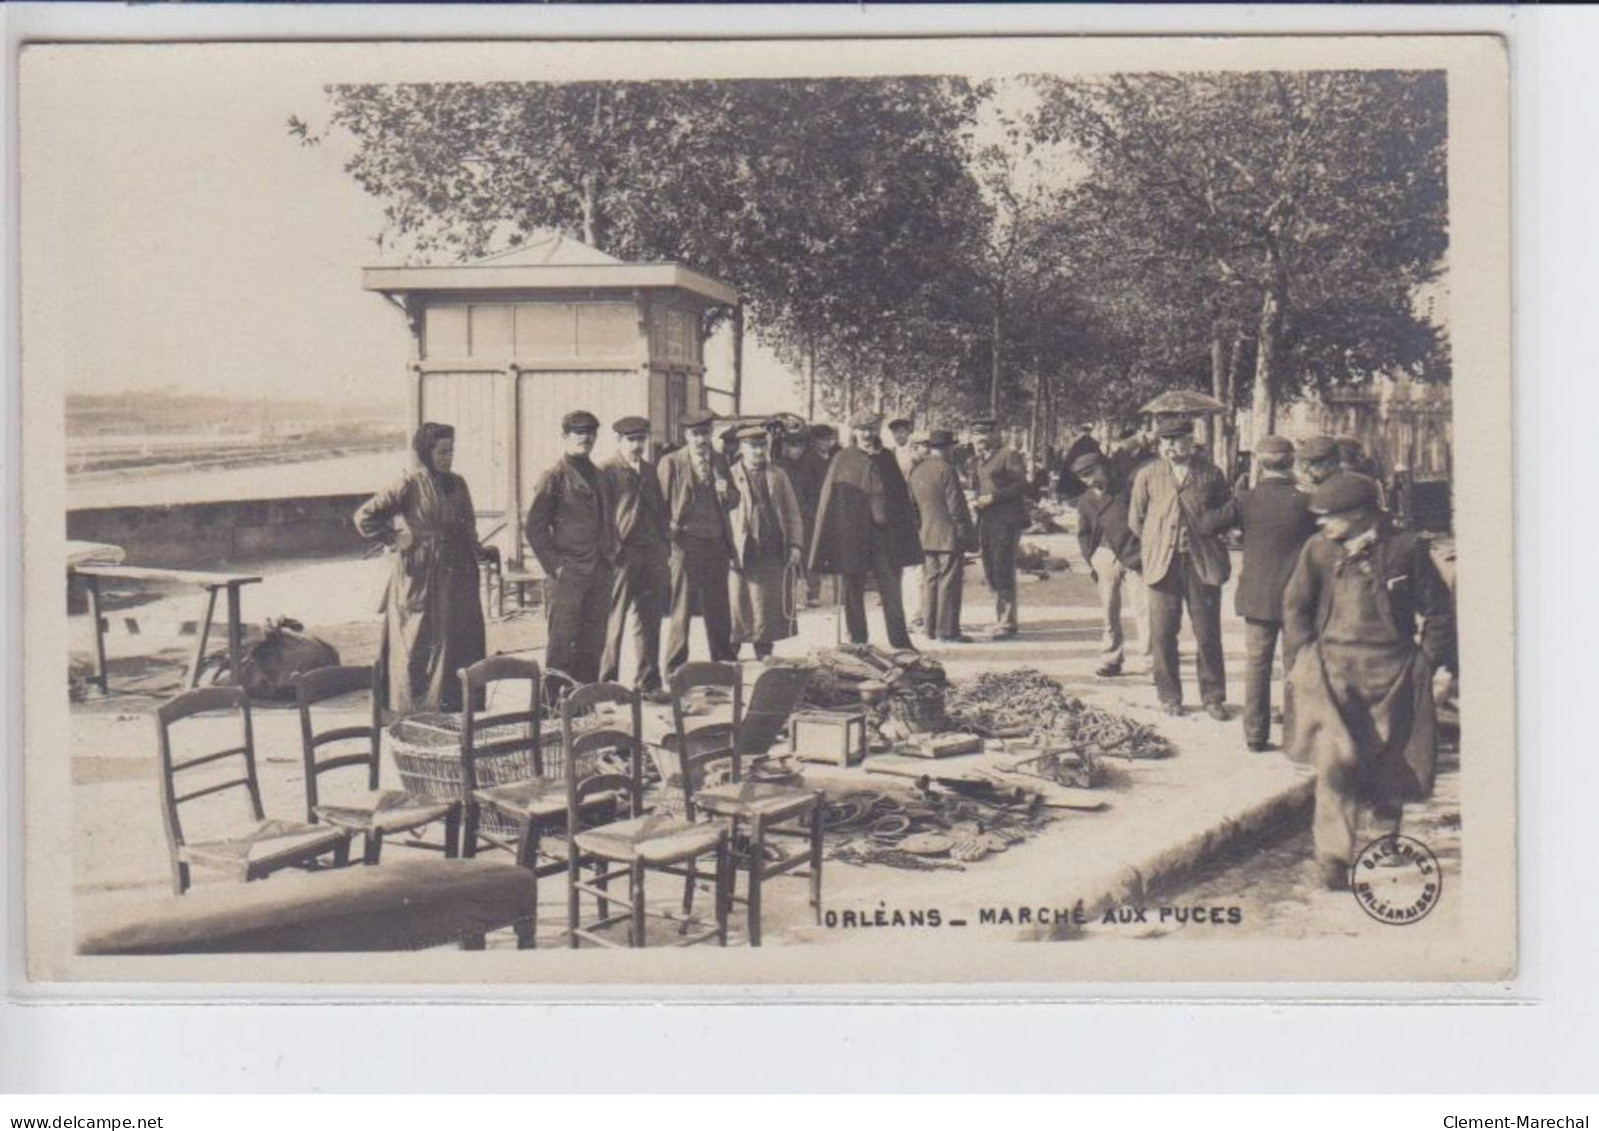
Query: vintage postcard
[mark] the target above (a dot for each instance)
(582, 516)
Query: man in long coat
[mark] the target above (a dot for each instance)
(805, 469)
(859, 532)
(1275, 518)
(638, 526)
(1001, 504)
(1172, 501)
(569, 529)
(697, 485)
(1368, 618)
(945, 531)
(768, 539)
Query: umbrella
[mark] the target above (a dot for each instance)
(1184, 400)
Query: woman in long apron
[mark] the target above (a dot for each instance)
(433, 612)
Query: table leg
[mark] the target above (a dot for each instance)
(99, 676)
(235, 636)
(205, 635)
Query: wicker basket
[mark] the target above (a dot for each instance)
(427, 752)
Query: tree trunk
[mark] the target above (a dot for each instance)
(849, 393)
(738, 358)
(1267, 348)
(1235, 363)
(1216, 424)
(591, 207)
(810, 377)
(994, 355)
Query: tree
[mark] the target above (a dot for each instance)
(830, 204)
(1299, 210)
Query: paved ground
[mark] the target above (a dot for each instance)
(1165, 818)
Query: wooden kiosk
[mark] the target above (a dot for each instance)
(502, 348)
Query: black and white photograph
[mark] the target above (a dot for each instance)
(924, 513)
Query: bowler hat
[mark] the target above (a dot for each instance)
(580, 421)
(630, 426)
(1344, 492)
(1176, 426)
(1086, 462)
(900, 422)
(698, 418)
(823, 432)
(1318, 448)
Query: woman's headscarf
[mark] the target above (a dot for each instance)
(427, 436)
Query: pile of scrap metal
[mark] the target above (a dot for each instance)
(935, 827)
(1070, 736)
(901, 693)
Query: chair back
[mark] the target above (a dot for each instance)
(175, 710)
(318, 686)
(523, 725)
(777, 691)
(580, 786)
(705, 744)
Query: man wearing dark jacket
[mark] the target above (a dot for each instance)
(696, 483)
(945, 531)
(1111, 550)
(858, 532)
(638, 524)
(1001, 504)
(1368, 619)
(569, 529)
(1275, 518)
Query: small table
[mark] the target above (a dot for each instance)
(207, 580)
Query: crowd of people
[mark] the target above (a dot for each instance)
(739, 528)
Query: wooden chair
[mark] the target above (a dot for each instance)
(258, 851)
(765, 812)
(532, 801)
(640, 843)
(380, 811)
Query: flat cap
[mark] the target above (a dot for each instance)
(1176, 426)
(1318, 448)
(630, 426)
(753, 432)
(1086, 462)
(866, 418)
(1274, 446)
(984, 424)
(1128, 431)
(698, 418)
(823, 432)
(1343, 492)
(900, 422)
(580, 421)
(793, 425)
(940, 438)
(919, 437)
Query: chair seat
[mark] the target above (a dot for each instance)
(270, 842)
(386, 810)
(540, 799)
(755, 798)
(655, 838)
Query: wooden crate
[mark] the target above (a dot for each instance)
(837, 738)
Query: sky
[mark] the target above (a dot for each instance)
(190, 242)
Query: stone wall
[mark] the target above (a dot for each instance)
(207, 535)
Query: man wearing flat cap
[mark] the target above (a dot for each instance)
(946, 530)
(768, 542)
(639, 584)
(569, 529)
(805, 469)
(1275, 518)
(1368, 619)
(1317, 461)
(697, 485)
(1000, 474)
(864, 525)
(1172, 499)
(1112, 552)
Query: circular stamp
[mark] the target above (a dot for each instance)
(1396, 880)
